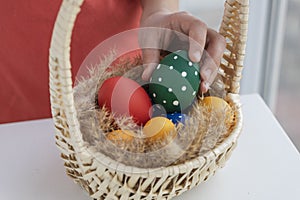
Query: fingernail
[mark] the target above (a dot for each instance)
(148, 68)
(207, 85)
(145, 75)
(196, 56)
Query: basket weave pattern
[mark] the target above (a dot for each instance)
(104, 178)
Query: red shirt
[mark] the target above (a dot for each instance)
(25, 33)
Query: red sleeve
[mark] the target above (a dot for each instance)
(25, 33)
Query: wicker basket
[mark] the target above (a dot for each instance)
(111, 180)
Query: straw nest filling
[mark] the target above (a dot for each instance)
(202, 130)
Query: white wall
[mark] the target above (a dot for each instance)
(253, 71)
(210, 11)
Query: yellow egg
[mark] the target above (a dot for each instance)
(158, 128)
(120, 136)
(215, 103)
(219, 106)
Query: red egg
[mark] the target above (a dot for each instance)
(124, 96)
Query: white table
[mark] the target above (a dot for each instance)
(265, 165)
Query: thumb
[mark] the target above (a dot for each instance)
(150, 61)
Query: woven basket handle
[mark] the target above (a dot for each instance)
(61, 90)
(234, 27)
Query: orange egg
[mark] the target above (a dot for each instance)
(120, 136)
(158, 128)
(219, 106)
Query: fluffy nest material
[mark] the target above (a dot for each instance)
(200, 132)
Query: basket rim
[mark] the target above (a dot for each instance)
(111, 164)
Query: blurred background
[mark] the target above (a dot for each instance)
(272, 63)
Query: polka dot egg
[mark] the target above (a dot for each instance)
(175, 82)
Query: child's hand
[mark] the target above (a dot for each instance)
(199, 38)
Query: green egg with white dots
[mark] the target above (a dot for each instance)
(175, 82)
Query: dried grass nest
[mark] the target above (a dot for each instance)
(201, 132)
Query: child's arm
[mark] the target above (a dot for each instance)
(163, 14)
